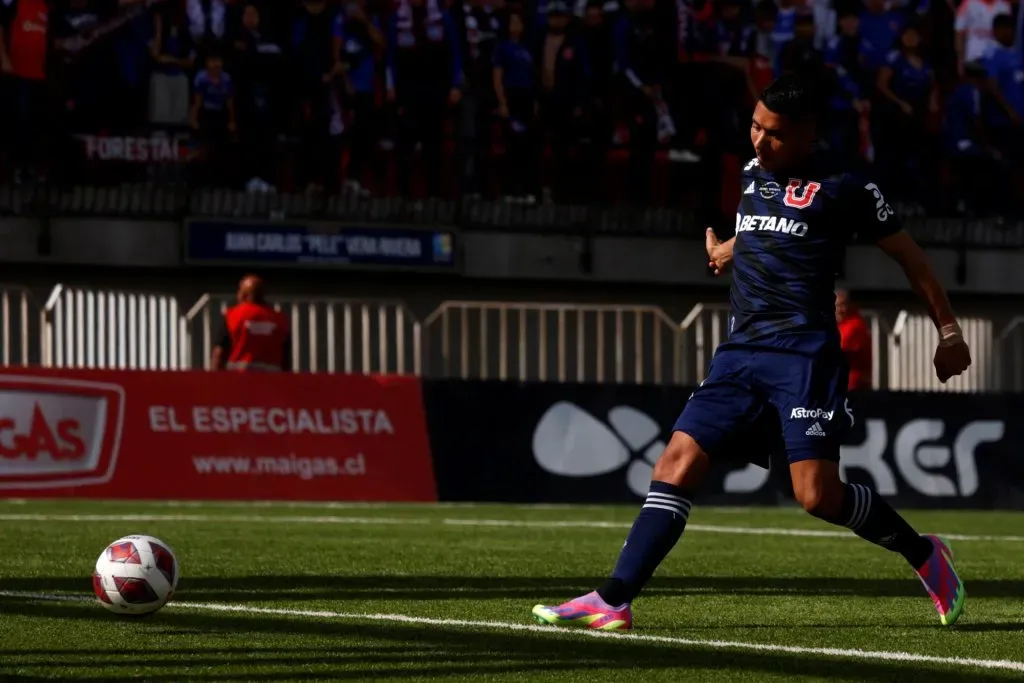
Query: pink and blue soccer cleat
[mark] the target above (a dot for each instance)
(587, 610)
(942, 583)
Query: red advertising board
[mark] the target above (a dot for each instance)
(210, 436)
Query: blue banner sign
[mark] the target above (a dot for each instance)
(297, 244)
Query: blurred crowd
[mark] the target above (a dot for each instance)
(527, 101)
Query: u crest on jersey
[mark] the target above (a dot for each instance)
(800, 195)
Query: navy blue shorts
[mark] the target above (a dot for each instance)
(760, 404)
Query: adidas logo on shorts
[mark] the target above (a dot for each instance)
(815, 430)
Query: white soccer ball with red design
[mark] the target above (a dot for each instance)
(135, 575)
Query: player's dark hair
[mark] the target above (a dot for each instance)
(1004, 21)
(801, 96)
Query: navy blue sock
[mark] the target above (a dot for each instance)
(656, 530)
(868, 515)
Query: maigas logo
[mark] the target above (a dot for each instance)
(58, 432)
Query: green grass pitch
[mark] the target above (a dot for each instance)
(433, 593)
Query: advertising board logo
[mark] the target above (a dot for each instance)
(568, 441)
(58, 432)
(924, 455)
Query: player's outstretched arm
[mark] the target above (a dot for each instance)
(953, 356)
(719, 253)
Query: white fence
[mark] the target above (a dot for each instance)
(561, 342)
(1008, 365)
(912, 344)
(902, 349)
(18, 316)
(84, 328)
(565, 342)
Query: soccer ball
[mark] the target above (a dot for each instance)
(135, 575)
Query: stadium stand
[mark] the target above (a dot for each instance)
(234, 107)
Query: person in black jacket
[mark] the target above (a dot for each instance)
(259, 62)
(480, 27)
(424, 78)
(564, 90)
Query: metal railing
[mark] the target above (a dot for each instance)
(564, 342)
(1008, 365)
(19, 314)
(707, 325)
(901, 350)
(328, 335)
(702, 330)
(911, 348)
(881, 331)
(145, 198)
(84, 328)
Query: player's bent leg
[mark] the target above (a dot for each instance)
(818, 488)
(655, 532)
(683, 463)
(821, 492)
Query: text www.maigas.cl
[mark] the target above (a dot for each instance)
(283, 466)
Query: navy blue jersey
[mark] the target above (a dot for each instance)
(791, 238)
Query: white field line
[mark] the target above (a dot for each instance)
(707, 528)
(260, 519)
(360, 505)
(880, 655)
(419, 521)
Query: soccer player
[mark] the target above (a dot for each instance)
(782, 368)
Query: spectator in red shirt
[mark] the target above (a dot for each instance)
(256, 337)
(855, 339)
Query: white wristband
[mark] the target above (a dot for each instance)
(950, 334)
